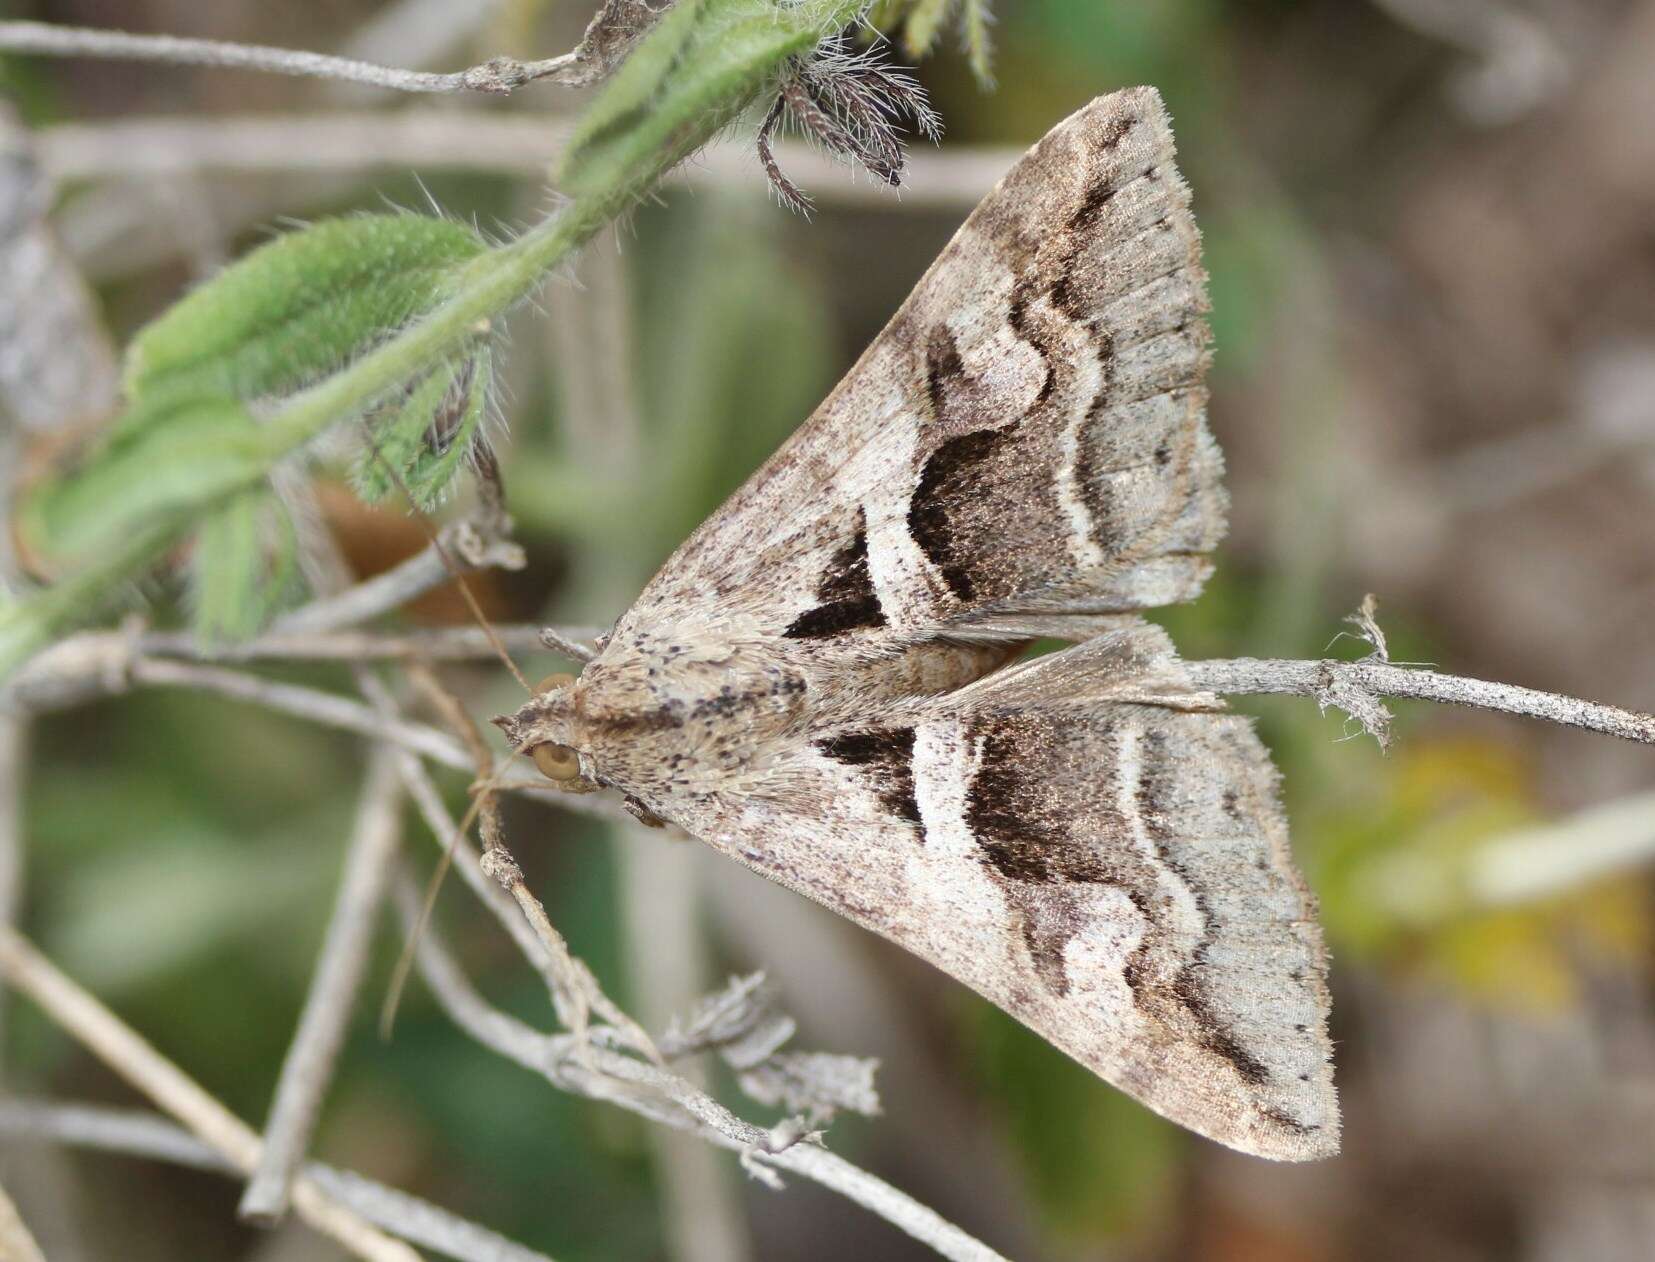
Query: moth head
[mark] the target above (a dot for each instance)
(543, 731)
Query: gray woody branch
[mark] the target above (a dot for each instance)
(140, 1064)
(662, 1096)
(139, 1134)
(341, 964)
(498, 75)
(1355, 687)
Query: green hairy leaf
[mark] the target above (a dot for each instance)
(979, 48)
(298, 308)
(157, 467)
(287, 314)
(418, 444)
(245, 561)
(924, 21)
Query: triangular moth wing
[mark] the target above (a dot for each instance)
(1084, 839)
(1025, 443)
(1089, 845)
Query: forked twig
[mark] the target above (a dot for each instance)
(124, 1051)
(147, 1135)
(451, 552)
(662, 1096)
(306, 703)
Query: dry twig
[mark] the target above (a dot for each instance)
(306, 703)
(16, 1242)
(574, 991)
(611, 32)
(457, 549)
(664, 1097)
(118, 1046)
(13, 761)
(498, 76)
(1356, 687)
(340, 967)
(145, 1135)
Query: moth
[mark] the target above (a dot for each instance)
(828, 682)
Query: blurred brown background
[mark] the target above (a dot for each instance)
(1431, 231)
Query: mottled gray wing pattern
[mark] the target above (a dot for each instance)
(1024, 445)
(1088, 845)
(813, 683)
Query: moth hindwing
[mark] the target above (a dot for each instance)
(822, 681)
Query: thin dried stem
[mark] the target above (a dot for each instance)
(576, 644)
(306, 703)
(663, 1097)
(1606, 840)
(453, 551)
(1356, 686)
(466, 861)
(340, 967)
(498, 76)
(98, 664)
(145, 1135)
(444, 644)
(118, 1046)
(471, 139)
(575, 994)
(17, 1243)
(14, 740)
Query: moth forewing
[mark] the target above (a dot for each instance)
(818, 682)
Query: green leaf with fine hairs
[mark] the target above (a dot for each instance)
(244, 562)
(447, 444)
(701, 65)
(420, 442)
(297, 309)
(157, 467)
(284, 316)
(30, 622)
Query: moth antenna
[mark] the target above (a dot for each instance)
(488, 482)
(489, 778)
(410, 950)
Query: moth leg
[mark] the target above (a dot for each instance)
(642, 813)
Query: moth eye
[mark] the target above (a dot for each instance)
(553, 682)
(556, 762)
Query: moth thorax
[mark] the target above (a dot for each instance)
(657, 716)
